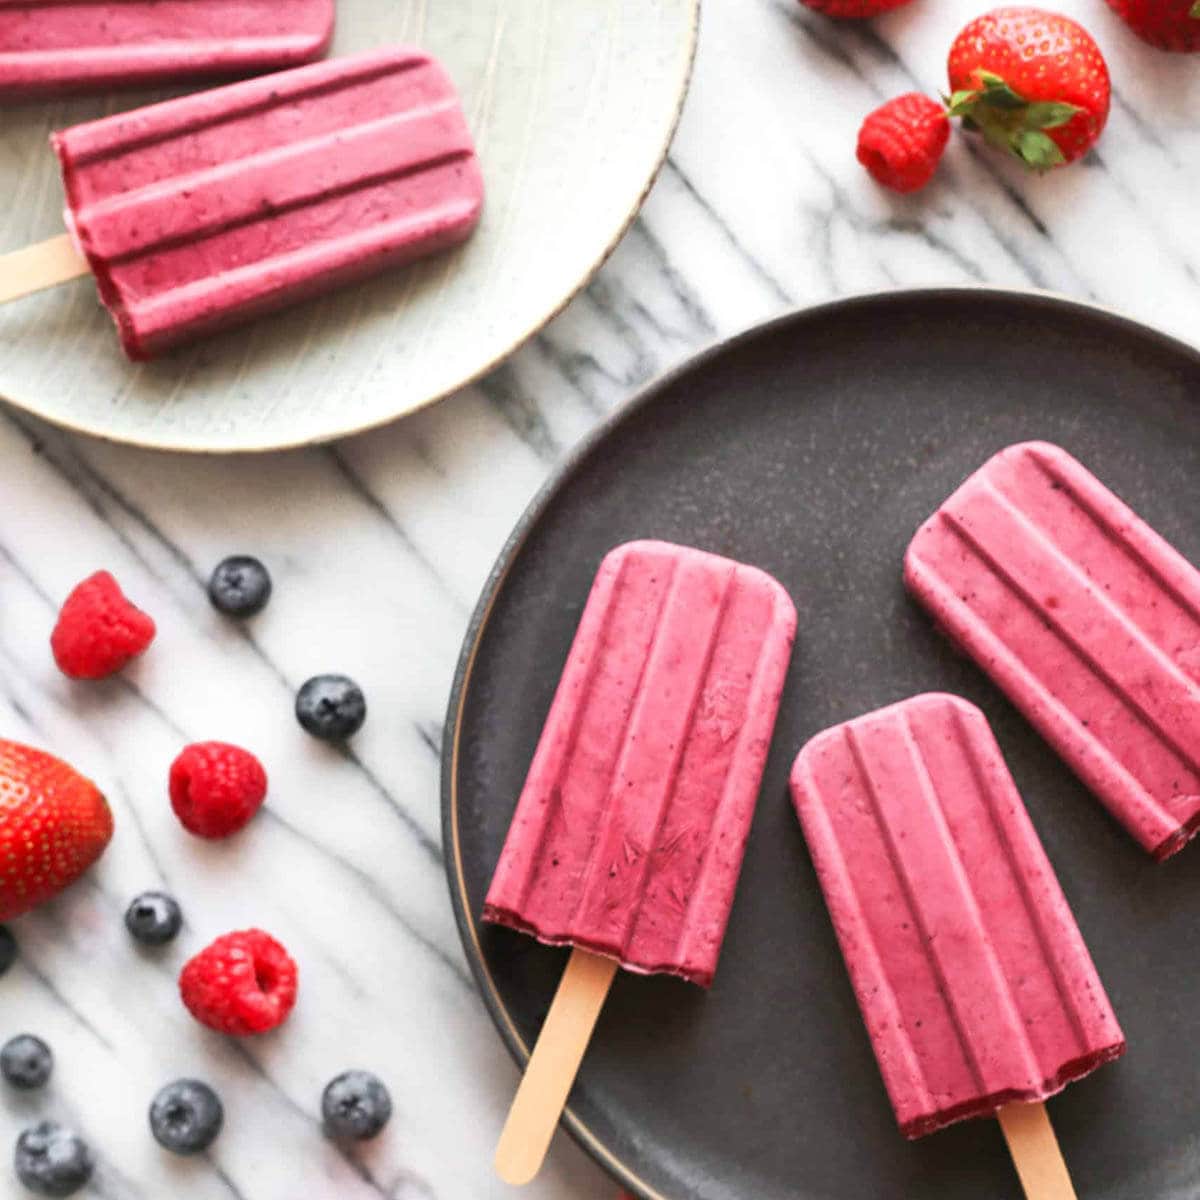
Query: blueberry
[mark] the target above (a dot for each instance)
(8, 949)
(52, 1161)
(186, 1116)
(240, 586)
(26, 1062)
(355, 1106)
(331, 707)
(153, 918)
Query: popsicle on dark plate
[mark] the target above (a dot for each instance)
(628, 837)
(1086, 618)
(978, 992)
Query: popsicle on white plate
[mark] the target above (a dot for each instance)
(50, 46)
(202, 212)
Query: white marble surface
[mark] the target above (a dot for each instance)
(379, 546)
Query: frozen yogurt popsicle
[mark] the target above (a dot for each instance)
(973, 979)
(628, 836)
(1086, 618)
(203, 212)
(49, 46)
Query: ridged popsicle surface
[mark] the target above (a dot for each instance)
(1086, 618)
(70, 45)
(972, 976)
(207, 210)
(628, 836)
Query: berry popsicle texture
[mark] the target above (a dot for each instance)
(973, 979)
(1087, 620)
(208, 210)
(49, 46)
(628, 836)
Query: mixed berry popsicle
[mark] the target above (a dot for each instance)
(206, 210)
(628, 836)
(49, 46)
(1086, 618)
(209, 210)
(974, 982)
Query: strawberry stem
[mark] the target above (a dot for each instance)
(1010, 122)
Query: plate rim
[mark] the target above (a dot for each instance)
(34, 409)
(467, 923)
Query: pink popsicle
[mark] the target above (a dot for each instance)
(1086, 618)
(208, 210)
(973, 979)
(49, 46)
(628, 836)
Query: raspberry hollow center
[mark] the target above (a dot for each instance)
(265, 975)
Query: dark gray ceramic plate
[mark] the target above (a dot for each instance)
(812, 447)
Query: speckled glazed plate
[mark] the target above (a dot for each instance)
(813, 447)
(573, 103)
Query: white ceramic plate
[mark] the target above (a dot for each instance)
(573, 103)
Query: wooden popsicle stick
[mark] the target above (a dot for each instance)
(41, 266)
(553, 1066)
(1034, 1149)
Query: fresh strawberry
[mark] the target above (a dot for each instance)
(1167, 24)
(901, 142)
(854, 9)
(1033, 83)
(98, 629)
(54, 824)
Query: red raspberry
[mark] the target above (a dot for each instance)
(901, 143)
(216, 788)
(98, 630)
(243, 983)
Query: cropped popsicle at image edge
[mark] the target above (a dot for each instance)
(628, 837)
(977, 990)
(53, 46)
(206, 211)
(1086, 618)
